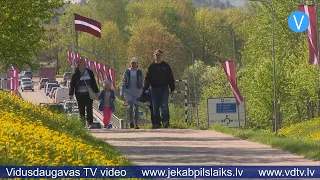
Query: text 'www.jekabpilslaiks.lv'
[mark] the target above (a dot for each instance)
(195, 173)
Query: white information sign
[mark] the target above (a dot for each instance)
(224, 112)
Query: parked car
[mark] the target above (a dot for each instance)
(66, 77)
(69, 105)
(53, 89)
(43, 82)
(27, 73)
(50, 86)
(25, 80)
(23, 77)
(53, 81)
(61, 95)
(27, 85)
(46, 88)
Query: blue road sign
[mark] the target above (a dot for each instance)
(140, 113)
(298, 21)
(226, 107)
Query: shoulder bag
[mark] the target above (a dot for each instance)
(92, 95)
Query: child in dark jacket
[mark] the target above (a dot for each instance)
(107, 97)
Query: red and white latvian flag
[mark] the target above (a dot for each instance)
(311, 33)
(87, 25)
(228, 67)
(106, 72)
(14, 82)
(111, 73)
(69, 57)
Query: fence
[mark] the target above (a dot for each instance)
(4, 80)
(185, 98)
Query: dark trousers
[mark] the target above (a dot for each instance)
(151, 113)
(84, 102)
(160, 98)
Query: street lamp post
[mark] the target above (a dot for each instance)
(275, 101)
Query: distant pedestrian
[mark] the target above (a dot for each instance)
(160, 77)
(132, 83)
(82, 79)
(107, 97)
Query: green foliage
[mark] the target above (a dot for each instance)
(214, 36)
(109, 48)
(149, 35)
(21, 29)
(176, 15)
(296, 79)
(137, 28)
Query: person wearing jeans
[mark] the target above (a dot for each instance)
(132, 84)
(81, 78)
(160, 77)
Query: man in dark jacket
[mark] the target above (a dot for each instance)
(160, 77)
(81, 79)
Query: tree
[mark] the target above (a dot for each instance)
(216, 42)
(112, 43)
(110, 10)
(296, 79)
(66, 33)
(176, 15)
(21, 29)
(109, 50)
(149, 35)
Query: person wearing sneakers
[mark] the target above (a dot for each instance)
(160, 77)
(81, 79)
(132, 83)
(107, 97)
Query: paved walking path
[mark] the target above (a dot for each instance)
(195, 147)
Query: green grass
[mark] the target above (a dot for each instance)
(302, 138)
(304, 147)
(61, 123)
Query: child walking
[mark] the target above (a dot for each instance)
(107, 97)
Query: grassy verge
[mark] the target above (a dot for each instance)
(302, 138)
(307, 148)
(37, 135)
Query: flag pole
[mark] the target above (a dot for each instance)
(76, 43)
(317, 30)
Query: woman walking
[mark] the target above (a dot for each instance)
(132, 84)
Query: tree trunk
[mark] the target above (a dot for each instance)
(319, 104)
(58, 64)
(308, 109)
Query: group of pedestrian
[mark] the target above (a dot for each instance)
(136, 89)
